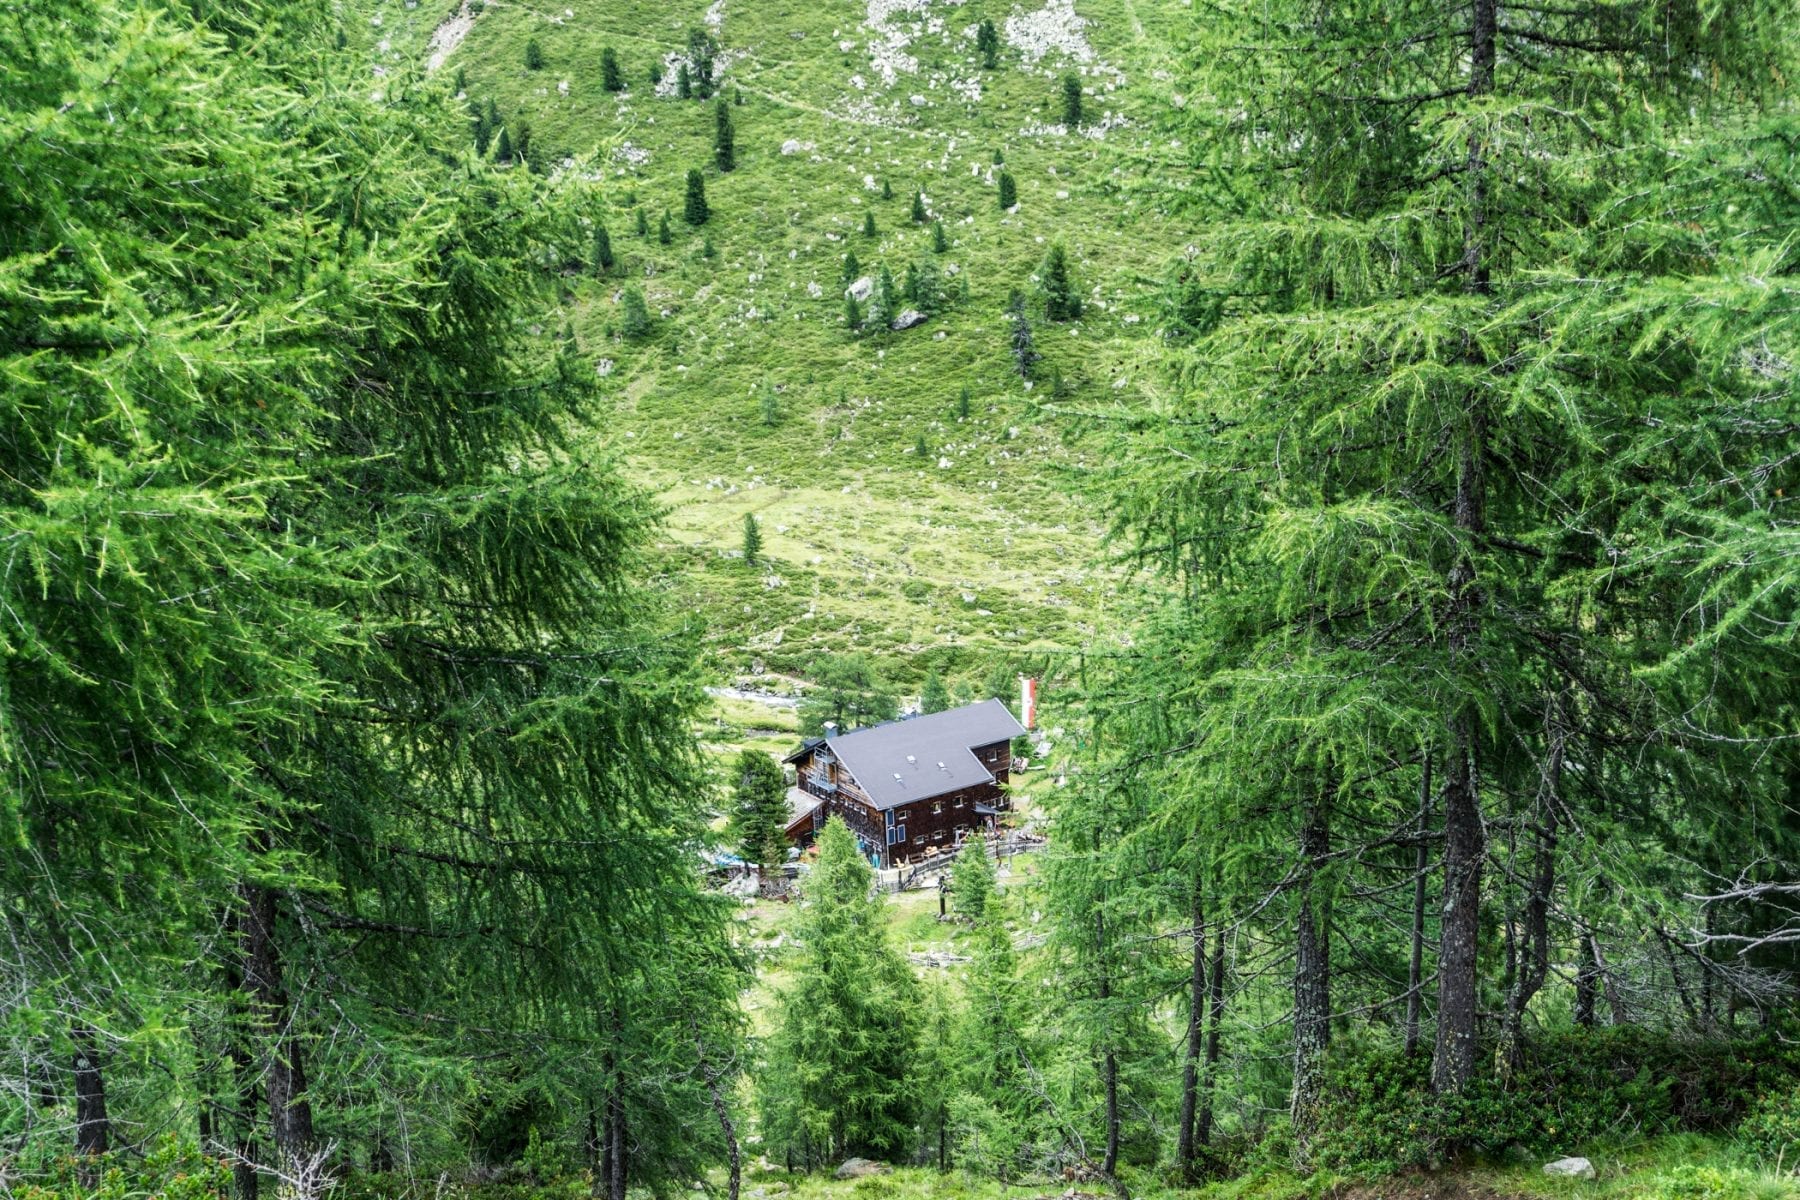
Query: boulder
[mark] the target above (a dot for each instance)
(861, 290)
(792, 146)
(907, 319)
(1574, 1168)
(858, 1168)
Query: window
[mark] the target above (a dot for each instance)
(938, 836)
(919, 841)
(937, 806)
(959, 802)
(897, 836)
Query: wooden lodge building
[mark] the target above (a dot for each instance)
(908, 788)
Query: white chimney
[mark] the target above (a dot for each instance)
(831, 729)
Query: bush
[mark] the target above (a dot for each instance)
(172, 1170)
(1772, 1130)
(1379, 1115)
(534, 55)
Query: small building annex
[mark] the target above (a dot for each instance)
(908, 787)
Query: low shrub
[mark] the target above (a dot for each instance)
(1379, 1114)
(1771, 1131)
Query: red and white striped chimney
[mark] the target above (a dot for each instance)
(1028, 702)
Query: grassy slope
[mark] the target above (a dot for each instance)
(972, 551)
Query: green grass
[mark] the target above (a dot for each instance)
(942, 563)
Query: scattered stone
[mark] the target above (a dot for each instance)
(860, 1168)
(1574, 1168)
(861, 290)
(907, 319)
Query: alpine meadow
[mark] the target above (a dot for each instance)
(900, 600)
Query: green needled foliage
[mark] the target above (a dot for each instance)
(759, 809)
(1471, 332)
(752, 539)
(836, 1078)
(694, 209)
(343, 733)
(848, 691)
(724, 137)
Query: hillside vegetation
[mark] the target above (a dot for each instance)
(933, 561)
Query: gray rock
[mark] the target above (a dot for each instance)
(907, 319)
(1575, 1168)
(858, 1168)
(861, 290)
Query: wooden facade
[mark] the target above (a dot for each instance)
(922, 810)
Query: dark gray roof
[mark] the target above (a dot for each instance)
(921, 757)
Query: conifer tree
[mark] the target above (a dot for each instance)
(759, 809)
(1061, 301)
(1008, 191)
(972, 880)
(694, 209)
(752, 539)
(484, 128)
(869, 224)
(962, 404)
(603, 251)
(909, 287)
(838, 1080)
(1024, 345)
(918, 206)
(934, 697)
(642, 224)
(769, 404)
(701, 53)
(611, 77)
(921, 451)
(664, 234)
(724, 137)
(849, 691)
(534, 55)
(987, 43)
(707, 249)
(634, 314)
(853, 314)
(503, 150)
(684, 82)
(852, 268)
(1071, 100)
(887, 190)
(939, 243)
(883, 300)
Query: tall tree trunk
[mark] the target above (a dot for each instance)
(1415, 967)
(1109, 1061)
(93, 1131)
(1465, 834)
(1312, 971)
(1216, 1010)
(733, 1159)
(1534, 952)
(1585, 976)
(1186, 1155)
(284, 1067)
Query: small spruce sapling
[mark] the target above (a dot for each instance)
(724, 137)
(1071, 100)
(869, 224)
(962, 404)
(1061, 301)
(684, 83)
(503, 153)
(920, 449)
(752, 539)
(694, 209)
(603, 251)
(939, 242)
(987, 43)
(643, 224)
(634, 315)
(887, 191)
(664, 235)
(770, 405)
(534, 55)
(611, 78)
(853, 317)
(1009, 191)
(852, 268)
(656, 73)
(707, 249)
(1024, 347)
(918, 207)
